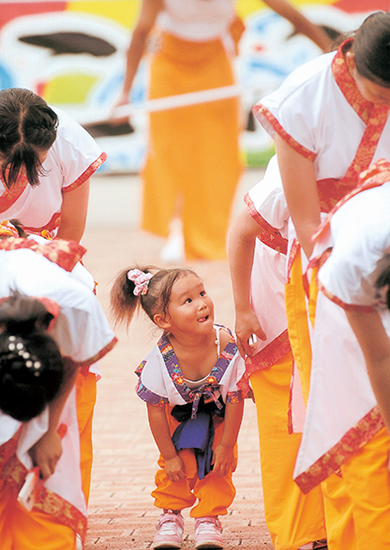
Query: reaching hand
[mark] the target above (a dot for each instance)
(247, 323)
(223, 460)
(46, 453)
(174, 468)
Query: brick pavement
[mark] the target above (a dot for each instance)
(121, 513)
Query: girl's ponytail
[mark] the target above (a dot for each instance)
(126, 293)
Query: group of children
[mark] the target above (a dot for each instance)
(309, 259)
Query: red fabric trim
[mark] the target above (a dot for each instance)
(97, 356)
(65, 254)
(9, 196)
(48, 502)
(351, 442)
(269, 355)
(294, 251)
(344, 305)
(272, 126)
(347, 85)
(374, 176)
(271, 236)
(87, 174)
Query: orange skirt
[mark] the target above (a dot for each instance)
(193, 156)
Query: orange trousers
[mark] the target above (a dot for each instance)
(214, 494)
(22, 530)
(292, 518)
(86, 400)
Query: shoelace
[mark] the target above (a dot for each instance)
(208, 526)
(168, 525)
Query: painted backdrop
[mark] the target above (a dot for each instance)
(73, 54)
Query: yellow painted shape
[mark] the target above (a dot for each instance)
(70, 88)
(247, 7)
(124, 12)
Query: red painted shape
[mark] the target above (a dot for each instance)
(12, 10)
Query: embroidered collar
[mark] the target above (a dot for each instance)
(210, 386)
(347, 85)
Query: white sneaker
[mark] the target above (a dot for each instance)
(170, 529)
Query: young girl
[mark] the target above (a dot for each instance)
(191, 383)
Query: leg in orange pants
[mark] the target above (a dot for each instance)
(293, 518)
(214, 494)
(86, 399)
(367, 479)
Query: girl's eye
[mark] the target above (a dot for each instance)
(188, 301)
(203, 293)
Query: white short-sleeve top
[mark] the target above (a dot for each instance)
(197, 20)
(72, 159)
(360, 232)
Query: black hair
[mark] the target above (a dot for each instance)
(31, 365)
(371, 47)
(124, 302)
(28, 128)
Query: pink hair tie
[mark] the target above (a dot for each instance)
(140, 280)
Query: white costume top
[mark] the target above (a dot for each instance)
(72, 159)
(161, 380)
(197, 20)
(268, 207)
(342, 412)
(314, 116)
(82, 334)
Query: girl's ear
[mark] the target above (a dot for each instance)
(162, 321)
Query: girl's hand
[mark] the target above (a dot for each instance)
(223, 460)
(174, 468)
(46, 453)
(247, 323)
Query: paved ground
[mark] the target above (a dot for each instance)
(122, 515)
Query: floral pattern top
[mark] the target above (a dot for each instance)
(161, 380)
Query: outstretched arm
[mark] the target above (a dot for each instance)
(149, 11)
(241, 249)
(301, 23)
(174, 466)
(375, 345)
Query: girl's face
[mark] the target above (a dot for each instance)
(370, 90)
(191, 310)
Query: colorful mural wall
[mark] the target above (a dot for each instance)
(73, 54)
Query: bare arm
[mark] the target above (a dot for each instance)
(223, 457)
(74, 213)
(174, 466)
(375, 344)
(47, 451)
(300, 189)
(149, 11)
(241, 248)
(301, 23)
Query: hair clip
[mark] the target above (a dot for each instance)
(141, 281)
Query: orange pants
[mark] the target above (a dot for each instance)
(214, 494)
(22, 530)
(86, 399)
(367, 479)
(293, 518)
